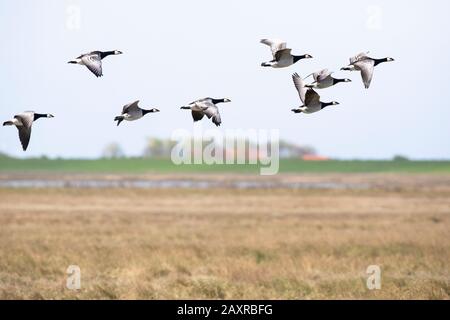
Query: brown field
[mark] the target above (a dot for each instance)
(228, 243)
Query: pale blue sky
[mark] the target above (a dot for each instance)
(177, 51)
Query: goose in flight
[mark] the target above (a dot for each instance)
(323, 79)
(132, 112)
(310, 98)
(206, 106)
(282, 56)
(363, 63)
(23, 122)
(93, 60)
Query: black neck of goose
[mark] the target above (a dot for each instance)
(216, 101)
(297, 58)
(39, 115)
(104, 54)
(144, 111)
(326, 104)
(378, 61)
(338, 80)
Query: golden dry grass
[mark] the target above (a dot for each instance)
(223, 243)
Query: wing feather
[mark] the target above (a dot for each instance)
(311, 98)
(130, 107)
(366, 68)
(321, 75)
(300, 86)
(93, 62)
(275, 45)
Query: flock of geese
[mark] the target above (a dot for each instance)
(282, 58)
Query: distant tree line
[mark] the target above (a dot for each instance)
(162, 148)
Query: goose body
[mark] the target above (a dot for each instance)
(282, 56)
(132, 112)
(310, 98)
(365, 64)
(323, 80)
(93, 60)
(208, 107)
(23, 122)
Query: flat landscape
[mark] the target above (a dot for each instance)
(306, 236)
(143, 165)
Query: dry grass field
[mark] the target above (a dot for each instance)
(227, 243)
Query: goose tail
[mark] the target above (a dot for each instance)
(119, 119)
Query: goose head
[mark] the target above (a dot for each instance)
(390, 59)
(347, 80)
(50, 115)
(117, 52)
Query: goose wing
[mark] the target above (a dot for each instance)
(25, 130)
(211, 111)
(321, 75)
(275, 45)
(197, 115)
(93, 62)
(366, 67)
(300, 86)
(129, 108)
(311, 98)
(359, 57)
(200, 101)
(282, 54)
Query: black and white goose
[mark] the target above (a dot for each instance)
(23, 122)
(132, 112)
(363, 63)
(206, 106)
(282, 56)
(323, 80)
(93, 60)
(310, 98)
